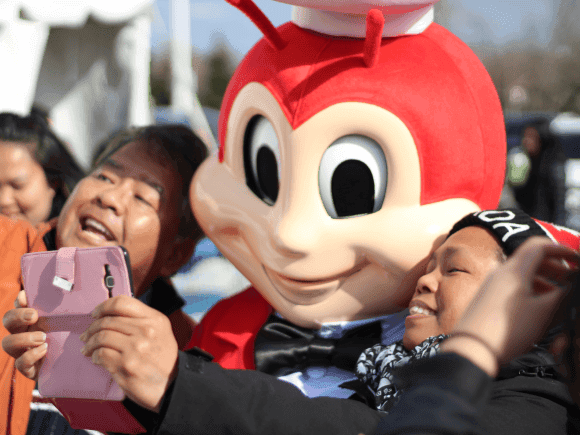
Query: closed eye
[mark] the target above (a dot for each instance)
(143, 200)
(17, 186)
(103, 178)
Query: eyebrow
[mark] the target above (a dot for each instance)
(18, 179)
(448, 251)
(118, 166)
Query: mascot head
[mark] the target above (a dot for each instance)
(344, 158)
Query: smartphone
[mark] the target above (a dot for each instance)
(65, 286)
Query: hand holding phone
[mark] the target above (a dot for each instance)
(64, 286)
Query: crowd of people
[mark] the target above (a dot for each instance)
(387, 294)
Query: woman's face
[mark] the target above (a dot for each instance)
(131, 200)
(24, 190)
(455, 272)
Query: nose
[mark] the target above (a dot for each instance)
(116, 197)
(287, 238)
(427, 283)
(294, 232)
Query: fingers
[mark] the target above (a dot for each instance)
(136, 345)
(530, 254)
(28, 363)
(19, 319)
(123, 306)
(539, 256)
(106, 339)
(123, 325)
(557, 271)
(110, 359)
(119, 354)
(16, 344)
(20, 301)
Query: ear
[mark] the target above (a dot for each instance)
(180, 251)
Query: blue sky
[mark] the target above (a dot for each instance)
(474, 21)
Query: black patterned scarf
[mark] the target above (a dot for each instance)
(375, 365)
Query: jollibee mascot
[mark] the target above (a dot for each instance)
(351, 139)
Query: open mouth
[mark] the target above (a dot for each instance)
(96, 228)
(419, 308)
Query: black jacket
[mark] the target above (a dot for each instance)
(443, 395)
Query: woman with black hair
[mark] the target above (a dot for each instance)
(37, 172)
(536, 173)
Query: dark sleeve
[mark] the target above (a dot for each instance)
(163, 297)
(207, 399)
(528, 404)
(442, 395)
(449, 395)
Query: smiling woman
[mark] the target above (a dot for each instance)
(37, 172)
(137, 197)
(455, 272)
(475, 246)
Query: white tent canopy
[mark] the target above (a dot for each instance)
(75, 13)
(86, 62)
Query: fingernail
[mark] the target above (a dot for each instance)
(94, 314)
(83, 336)
(44, 346)
(84, 350)
(39, 337)
(28, 315)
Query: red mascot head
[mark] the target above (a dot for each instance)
(344, 159)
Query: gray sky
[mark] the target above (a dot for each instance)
(474, 21)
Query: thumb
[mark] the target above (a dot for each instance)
(20, 301)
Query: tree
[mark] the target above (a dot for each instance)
(219, 68)
(161, 79)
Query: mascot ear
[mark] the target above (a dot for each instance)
(375, 24)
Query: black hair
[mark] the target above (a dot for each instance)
(61, 170)
(182, 147)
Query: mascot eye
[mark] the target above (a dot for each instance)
(352, 177)
(262, 159)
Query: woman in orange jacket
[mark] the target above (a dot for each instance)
(136, 197)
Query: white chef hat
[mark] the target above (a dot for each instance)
(347, 17)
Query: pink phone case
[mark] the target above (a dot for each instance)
(65, 286)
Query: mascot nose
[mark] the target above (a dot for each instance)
(295, 234)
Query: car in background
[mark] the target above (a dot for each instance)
(566, 126)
